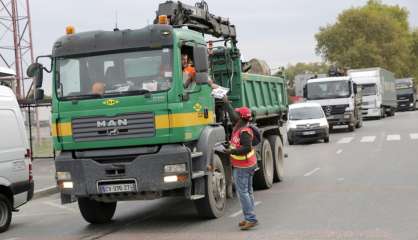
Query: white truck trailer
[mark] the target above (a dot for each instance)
(378, 90)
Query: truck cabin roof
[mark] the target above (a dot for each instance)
(85, 43)
(329, 79)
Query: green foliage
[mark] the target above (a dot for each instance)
(375, 35)
(316, 68)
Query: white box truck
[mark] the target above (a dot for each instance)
(378, 89)
(16, 180)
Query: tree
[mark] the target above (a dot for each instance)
(414, 54)
(375, 35)
(299, 68)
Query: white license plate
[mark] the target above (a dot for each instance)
(117, 188)
(309, 133)
(330, 117)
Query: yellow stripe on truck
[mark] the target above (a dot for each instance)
(178, 120)
(61, 129)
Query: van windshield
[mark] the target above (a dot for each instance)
(305, 113)
(114, 74)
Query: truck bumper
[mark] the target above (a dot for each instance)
(146, 171)
(405, 105)
(341, 119)
(371, 112)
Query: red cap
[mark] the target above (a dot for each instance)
(244, 113)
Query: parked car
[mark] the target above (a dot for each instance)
(307, 122)
(16, 180)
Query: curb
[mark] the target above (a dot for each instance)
(44, 192)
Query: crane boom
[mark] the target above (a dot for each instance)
(197, 18)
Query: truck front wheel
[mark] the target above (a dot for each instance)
(213, 204)
(96, 212)
(263, 178)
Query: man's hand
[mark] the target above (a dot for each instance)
(227, 151)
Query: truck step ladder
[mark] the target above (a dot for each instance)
(198, 174)
(196, 197)
(196, 154)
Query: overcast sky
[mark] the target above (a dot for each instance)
(277, 31)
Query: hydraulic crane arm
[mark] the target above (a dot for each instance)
(197, 18)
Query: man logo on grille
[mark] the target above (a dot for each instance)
(112, 123)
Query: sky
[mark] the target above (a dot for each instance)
(277, 31)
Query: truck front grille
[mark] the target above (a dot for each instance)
(132, 125)
(334, 109)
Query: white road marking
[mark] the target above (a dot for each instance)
(240, 211)
(393, 137)
(311, 172)
(52, 204)
(345, 140)
(339, 151)
(340, 179)
(12, 239)
(414, 136)
(368, 139)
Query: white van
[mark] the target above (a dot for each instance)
(307, 122)
(16, 180)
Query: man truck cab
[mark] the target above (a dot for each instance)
(406, 94)
(16, 182)
(340, 99)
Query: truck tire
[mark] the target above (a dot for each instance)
(359, 122)
(278, 157)
(96, 212)
(263, 178)
(351, 127)
(5, 213)
(213, 204)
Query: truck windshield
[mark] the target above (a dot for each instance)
(114, 74)
(328, 90)
(305, 113)
(369, 89)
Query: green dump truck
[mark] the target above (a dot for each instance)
(145, 136)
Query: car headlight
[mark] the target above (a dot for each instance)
(175, 168)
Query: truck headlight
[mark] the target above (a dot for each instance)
(67, 184)
(63, 176)
(175, 168)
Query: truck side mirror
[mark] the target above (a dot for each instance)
(35, 71)
(39, 94)
(305, 92)
(200, 58)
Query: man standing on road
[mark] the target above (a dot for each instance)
(244, 162)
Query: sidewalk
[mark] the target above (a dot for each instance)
(44, 177)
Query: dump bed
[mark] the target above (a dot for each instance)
(266, 96)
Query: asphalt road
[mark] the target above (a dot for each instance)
(361, 185)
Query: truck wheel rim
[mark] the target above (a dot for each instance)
(268, 163)
(219, 187)
(4, 210)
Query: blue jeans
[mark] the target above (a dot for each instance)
(243, 178)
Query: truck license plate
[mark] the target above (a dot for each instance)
(309, 133)
(117, 188)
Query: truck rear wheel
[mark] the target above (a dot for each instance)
(213, 204)
(96, 212)
(263, 178)
(5, 213)
(278, 157)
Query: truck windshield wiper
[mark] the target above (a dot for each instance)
(83, 96)
(128, 93)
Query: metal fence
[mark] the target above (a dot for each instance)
(38, 127)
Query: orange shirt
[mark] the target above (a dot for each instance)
(190, 70)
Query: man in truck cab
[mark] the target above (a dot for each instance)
(244, 161)
(189, 71)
